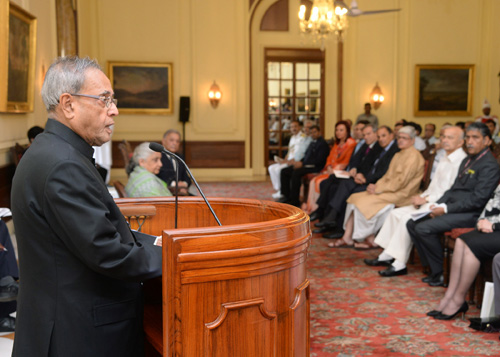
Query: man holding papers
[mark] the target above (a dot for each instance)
(393, 235)
(476, 179)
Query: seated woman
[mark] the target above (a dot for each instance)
(143, 167)
(471, 249)
(337, 160)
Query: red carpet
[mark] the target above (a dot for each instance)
(355, 312)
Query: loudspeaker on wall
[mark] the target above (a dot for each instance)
(184, 104)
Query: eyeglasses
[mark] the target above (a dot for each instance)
(403, 137)
(107, 99)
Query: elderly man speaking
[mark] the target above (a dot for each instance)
(81, 267)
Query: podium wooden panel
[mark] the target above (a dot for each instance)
(239, 289)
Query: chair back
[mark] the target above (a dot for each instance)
(126, 151)
(120, 188)
(16, 153)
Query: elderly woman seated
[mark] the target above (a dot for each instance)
(142, 171)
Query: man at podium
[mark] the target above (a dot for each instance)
(80, 265)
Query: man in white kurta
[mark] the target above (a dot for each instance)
(393, 235)
(296, 151)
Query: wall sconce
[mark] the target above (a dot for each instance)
(376, 96)
(214, 95)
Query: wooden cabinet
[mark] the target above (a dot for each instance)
(239, 289)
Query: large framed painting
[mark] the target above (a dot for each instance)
(444, 90)
(142, 88)
(18, 82)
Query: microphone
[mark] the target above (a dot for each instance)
(159, 148)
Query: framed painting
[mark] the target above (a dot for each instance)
(142, 88)
(18, 85)
(444, 90)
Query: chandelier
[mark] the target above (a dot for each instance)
(327, 17)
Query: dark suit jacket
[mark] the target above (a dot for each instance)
(316, 154)
(381, 166)
(80, 265)
(474, 185)
(167, 172)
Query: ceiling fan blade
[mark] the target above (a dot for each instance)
(376, 12)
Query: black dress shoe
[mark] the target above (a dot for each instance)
(463, 309)
(8, 289)
(283, 200)
(336, 234)
(316, 215)
(391, 271)
(427, 279)
(378, 263)
(7, 324)
(437, 280)
(321, 230)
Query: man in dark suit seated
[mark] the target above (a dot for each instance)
(171, 141)
(313, 161)
(369, 148)
(369, 171)
(461, 205)
(81, 267)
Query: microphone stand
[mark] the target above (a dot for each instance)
(176, 192)
(159, 148)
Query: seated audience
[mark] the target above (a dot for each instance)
(461, 205)
(358, 134)
(296, 151)
(143, 167)
(429, 131)
(337, 160)
(366, 211)
(314, 159)
(365, 170)
(393, 235)
(471, 249)
(33, 132)
(419, 142)
(171, 141)
(9, 287)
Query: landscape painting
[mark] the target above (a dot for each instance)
(443, 90)
(142, 88)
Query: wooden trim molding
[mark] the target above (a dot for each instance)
(199, 154)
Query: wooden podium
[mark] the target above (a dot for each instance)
(239, 289)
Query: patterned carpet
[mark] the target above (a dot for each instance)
(355, 312)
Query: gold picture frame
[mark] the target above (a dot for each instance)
(444, 90)
(17, 81)
(142, 88)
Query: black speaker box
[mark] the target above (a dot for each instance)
(184, 109)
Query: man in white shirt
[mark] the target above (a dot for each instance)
(393, 235)
(296, 151)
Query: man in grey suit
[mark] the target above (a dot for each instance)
(80, 265)
(461, 205)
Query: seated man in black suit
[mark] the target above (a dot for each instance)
(313, 161)
(369, 171)
(171, 141)
(328, 187)
(461, 205)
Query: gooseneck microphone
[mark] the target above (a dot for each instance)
(159, 148)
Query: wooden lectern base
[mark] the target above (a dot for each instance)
(240, 289)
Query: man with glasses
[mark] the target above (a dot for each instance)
(461, 205)
(81, 267)
(366, 211)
